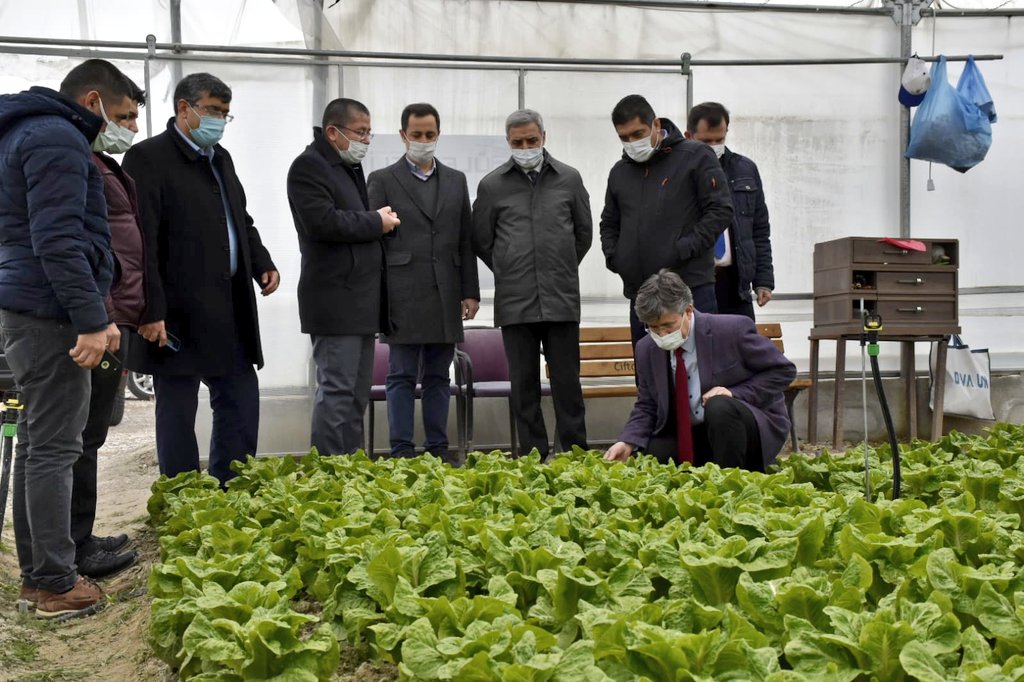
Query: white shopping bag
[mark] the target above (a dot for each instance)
(968, 381)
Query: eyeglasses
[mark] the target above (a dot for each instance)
(211, 111)
(360, 134)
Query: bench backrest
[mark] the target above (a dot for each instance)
(606, 352)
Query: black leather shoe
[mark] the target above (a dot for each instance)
(102, 563)
(108, 543)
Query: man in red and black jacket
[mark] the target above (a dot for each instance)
(99, 556)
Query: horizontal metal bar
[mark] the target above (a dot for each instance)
(532, 63)
(690, 5)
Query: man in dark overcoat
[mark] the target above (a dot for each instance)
(433, 279)
(203, 255)
(342, 288)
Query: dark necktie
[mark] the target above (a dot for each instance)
(533, 176)
(684, 432)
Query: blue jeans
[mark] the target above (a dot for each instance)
(427, 364)
(55, 393)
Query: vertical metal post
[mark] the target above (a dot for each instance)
(522, 88)
(175, 9)
(341, 81)
(151, 51)
(687, 71)
(319, 72)
(906, 39)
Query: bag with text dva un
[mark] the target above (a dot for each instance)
(953, 126)
(968, 381)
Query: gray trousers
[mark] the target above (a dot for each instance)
(344, 373)
(55, 393)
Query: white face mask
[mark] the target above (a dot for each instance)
(670, 341)
(528, 159)
(718, 149)
(421, 153)
(640, 150)
(115, 139)
(355, 152)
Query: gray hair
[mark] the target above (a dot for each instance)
(195, 86)
(523, 117)
(661, 294)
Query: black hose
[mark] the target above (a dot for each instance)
(887, 416)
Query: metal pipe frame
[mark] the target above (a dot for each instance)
(195, 53)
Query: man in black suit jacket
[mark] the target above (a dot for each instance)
(432, 276)
(734, 380)
(202, 255)
(342, 287)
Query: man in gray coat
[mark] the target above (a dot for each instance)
(532, 226)
(433, 279)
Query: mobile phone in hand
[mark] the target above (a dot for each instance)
(109, 364)
(173, 342)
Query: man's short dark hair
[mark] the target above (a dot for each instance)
(103, 77)
(341, 111)
(195, 86)
(712, 112)
(630, 107)
(419, 109)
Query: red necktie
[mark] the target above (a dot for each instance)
(684, 432)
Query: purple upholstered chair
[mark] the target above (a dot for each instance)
(378, 394)
(486, 376)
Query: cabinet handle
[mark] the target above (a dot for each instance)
(917, 281)
(915, 310)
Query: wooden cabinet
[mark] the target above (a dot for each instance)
(914, 292)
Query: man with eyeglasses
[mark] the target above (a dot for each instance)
(343, 286)
(203, 255)
(710, 388)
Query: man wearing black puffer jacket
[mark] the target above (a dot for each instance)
(743, 253)
(667, 202)
(55, 272)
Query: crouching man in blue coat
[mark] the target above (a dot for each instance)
(710, 388)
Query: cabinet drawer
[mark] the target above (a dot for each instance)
(872, 251)
(917, 311)
(921, 282)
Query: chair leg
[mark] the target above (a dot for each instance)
(369, 435)
(469, 423)
(513, 445)
(790, 399)
(460, 424)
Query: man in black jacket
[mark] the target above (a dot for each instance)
(202, 255)
(743, 253)
(55, 272)
(433, 278)
(342, 288)
(667, 202)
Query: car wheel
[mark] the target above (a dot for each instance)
(141, 385)
(117, 414)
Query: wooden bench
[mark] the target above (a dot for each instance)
(607, 354)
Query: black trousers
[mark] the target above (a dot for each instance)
(101, 405)
(727, 291)
(561, 344)
(728, 437)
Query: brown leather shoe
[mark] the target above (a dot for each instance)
(29, 595)
(84, 598)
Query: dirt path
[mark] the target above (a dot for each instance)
(109, 646)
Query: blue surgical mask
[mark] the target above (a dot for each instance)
(210, 130)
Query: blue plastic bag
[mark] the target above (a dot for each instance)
(953, 126)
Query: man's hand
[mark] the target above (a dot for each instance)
(470, 307)
(619, 452)
(388, 218)
(717, 390)
(154, 331)
(269, 281)
(763, 296)
(88, 350)
(113, 338)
